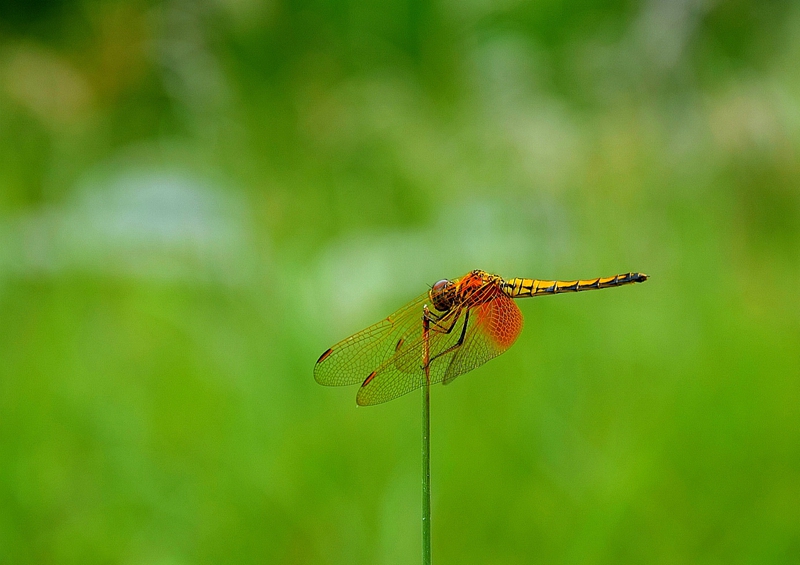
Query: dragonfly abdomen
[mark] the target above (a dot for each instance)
(522, 288)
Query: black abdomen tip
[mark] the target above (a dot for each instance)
(639, 277)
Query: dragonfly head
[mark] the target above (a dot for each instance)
(442, 295)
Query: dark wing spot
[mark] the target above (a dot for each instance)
(324, 356)
(369, 379)
(399, 344)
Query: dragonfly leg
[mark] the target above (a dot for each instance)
(457, 344)
(431, 317)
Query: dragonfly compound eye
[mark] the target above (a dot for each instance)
(442, 294)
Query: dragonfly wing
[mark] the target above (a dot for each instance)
(404, 372)
(387, 357)
(493, 327)
(351, 360)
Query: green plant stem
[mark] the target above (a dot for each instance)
(426, 474)
(426, 445)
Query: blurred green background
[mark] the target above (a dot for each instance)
(197, 198)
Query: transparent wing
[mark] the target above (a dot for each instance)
(404, 372)
(462, 340)
(353, 359)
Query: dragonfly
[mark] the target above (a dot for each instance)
(454, 327)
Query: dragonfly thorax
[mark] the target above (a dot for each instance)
(442, 295)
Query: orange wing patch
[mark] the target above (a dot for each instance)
(501, 321)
